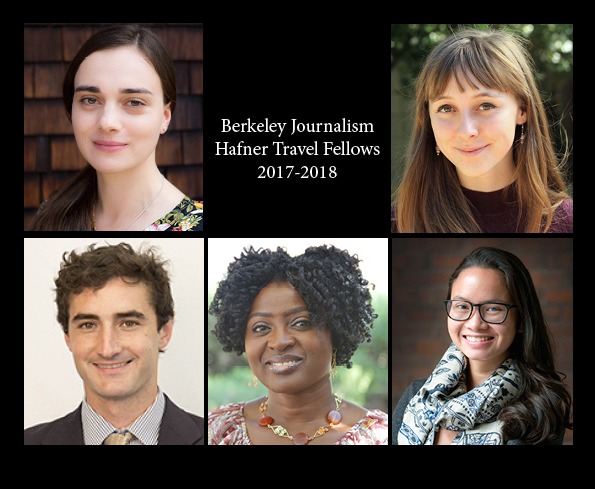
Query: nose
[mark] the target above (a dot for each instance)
(468, 126)
(281, 338)
(476, 321)
(108, 342)
(109, 119)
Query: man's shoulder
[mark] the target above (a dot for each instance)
(173, 408)
(180, 427)
(52, 432)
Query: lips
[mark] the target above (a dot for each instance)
(472, 151)
(109, 146)
(284, 364)
(103, 142)
(111, 365)
(478, 338)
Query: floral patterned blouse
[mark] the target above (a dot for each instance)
(227, 426)
(186, 216)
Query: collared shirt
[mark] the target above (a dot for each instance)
(145, 428)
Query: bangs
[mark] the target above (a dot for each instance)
(470, 62)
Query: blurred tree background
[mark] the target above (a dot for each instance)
(550, 45)
(365, 383)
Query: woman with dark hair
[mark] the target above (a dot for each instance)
(297, 319)
(120, 94)
(497, 383)
(481, 158)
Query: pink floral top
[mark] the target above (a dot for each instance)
(227, 426)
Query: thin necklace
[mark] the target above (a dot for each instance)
(141, 212)
(333, 417)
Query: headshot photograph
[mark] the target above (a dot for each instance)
(482, 341)
(298, 341)
(113, 127)
(114, 341)
(482, 128)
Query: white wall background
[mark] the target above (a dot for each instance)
(52, 387)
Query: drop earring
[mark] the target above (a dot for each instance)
(253, 382)
(437, 151)
(522, 133)
(334, 365)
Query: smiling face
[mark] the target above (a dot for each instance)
(483, 343)
(118, 111)
(475, 129)
(284, 348)
(114, 340)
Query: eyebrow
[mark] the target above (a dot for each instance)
(119, 315)
(483, 93)
(94, 89)
(490, 301)
(287, 313)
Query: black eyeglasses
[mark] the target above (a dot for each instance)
(490, 312)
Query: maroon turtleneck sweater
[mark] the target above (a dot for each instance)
(496, 212)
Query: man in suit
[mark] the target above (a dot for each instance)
(116, 309)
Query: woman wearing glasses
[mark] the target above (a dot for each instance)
(496, 384)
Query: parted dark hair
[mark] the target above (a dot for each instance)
(542, 408)
(93, 268)
(328, 279)
(71, 208)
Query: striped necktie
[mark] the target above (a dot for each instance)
(119, 438)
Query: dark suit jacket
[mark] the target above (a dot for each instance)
(178, 427)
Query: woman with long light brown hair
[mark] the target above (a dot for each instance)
(481, 158)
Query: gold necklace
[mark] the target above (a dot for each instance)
(333, 417)
(141, 212)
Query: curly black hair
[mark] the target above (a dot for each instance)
(328, 279)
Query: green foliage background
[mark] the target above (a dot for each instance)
(551, 46)
(365, 383)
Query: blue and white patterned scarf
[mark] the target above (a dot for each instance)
(443, 402)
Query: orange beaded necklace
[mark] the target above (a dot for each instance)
(333, 417)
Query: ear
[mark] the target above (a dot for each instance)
(165, 334)
(167, 114)
(67, 339)
(521, 117)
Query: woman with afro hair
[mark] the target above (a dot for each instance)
(297, 318)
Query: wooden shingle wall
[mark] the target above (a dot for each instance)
(51, 156)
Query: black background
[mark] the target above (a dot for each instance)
(313, 72)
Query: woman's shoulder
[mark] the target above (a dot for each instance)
(227, 409)
(226, 425)
(227, 414)
(412, 389)
(371, 429)
(186, 216)
(567, 206)
(377, 416)
(563, 219)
